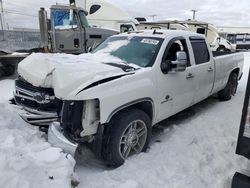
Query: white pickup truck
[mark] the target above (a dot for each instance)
(112, 97)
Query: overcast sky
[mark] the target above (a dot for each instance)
(23, 13)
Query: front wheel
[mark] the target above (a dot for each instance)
(129, 133)
(230, 89)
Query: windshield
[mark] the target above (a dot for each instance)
(140, 51)
(61, 18)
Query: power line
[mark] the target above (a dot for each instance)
(20, 5)
(19, 13)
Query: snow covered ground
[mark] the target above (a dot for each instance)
(26, 159)
(194, 149)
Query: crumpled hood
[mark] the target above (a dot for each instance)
(67, 73)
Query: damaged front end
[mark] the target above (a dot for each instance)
(37, 106)
(68, 122)
(79, 124)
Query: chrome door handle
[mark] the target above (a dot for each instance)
(210, 69)
(189, 76)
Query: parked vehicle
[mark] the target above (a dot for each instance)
(67, 31)
(243, 145)
(231, 37)
(216, 42)
(112, 97)
(105, 15)
(243, 41)
(230, 33)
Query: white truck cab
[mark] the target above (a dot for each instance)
(112, 97)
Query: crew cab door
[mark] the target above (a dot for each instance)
(175, 89)
(203, 69)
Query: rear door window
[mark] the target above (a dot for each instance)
(201, 53)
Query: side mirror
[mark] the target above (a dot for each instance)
(175, 66)
(71, 12)
(180, 64)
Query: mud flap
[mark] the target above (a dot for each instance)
(240, 181)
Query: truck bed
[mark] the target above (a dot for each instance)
(221, 53)
(224, 64)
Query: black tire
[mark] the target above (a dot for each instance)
(117, 136)
(230, 89)
(8, 70)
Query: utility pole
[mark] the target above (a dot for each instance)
(153, 16)
(194, 11)
(1, 21)
(2, 15)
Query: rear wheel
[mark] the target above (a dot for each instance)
(129, 133)
(230, 89)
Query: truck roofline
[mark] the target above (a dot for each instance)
(162, 33)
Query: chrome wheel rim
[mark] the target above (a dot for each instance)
(133, 139)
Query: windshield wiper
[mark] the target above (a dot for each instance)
(125, 67)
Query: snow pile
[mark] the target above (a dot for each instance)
(47, 70)
(194, 149)
(26, 159)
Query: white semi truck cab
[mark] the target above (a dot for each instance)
(111, 98)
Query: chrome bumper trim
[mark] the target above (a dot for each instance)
(36, 117)
(38, 97)
(57, 139)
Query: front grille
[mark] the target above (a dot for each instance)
(37, 98)
(20, 82)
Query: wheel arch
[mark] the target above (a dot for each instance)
(144, 104)
(236, 71)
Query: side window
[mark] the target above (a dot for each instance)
(201, 31)
(83, 19)
(176, 46)
(201, 54)
(94, 8)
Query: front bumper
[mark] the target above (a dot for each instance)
(57, 139)
(33, 116)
